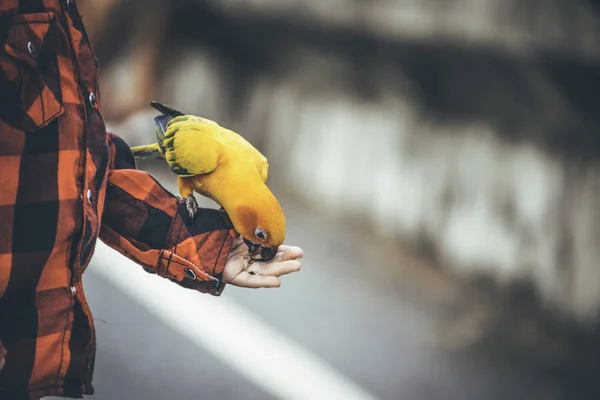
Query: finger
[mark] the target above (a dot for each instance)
(290, 252)
(275, 269)
(286, 253)
(278, 258)
(247, 280)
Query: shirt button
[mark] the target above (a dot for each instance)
(190, 274)
(92, 99)
(31, 49)
(89, 196)
(73, 290)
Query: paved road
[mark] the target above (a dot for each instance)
(375, 316)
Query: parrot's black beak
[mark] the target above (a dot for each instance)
(266, 253)
(253, 247)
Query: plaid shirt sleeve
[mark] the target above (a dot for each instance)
(64, 182)
(149, 225)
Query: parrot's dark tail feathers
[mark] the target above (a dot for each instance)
(160, 122)
(166, 110)
(142, 152)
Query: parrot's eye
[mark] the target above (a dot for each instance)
(261, 234)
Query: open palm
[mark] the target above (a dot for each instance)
(239, 272)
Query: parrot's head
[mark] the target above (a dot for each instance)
(262, 225)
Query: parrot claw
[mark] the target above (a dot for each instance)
(191, 205)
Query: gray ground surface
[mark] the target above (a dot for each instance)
(378, 316)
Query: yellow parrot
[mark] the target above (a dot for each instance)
(221, 165)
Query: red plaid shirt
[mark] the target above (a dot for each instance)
(65, 182)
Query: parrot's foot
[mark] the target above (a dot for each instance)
(191, 205)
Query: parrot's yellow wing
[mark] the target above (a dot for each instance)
(191, 149)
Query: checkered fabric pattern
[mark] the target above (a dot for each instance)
(64, 183)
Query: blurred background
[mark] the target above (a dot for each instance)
(436, 159)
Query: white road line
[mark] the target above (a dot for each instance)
(240, 340)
